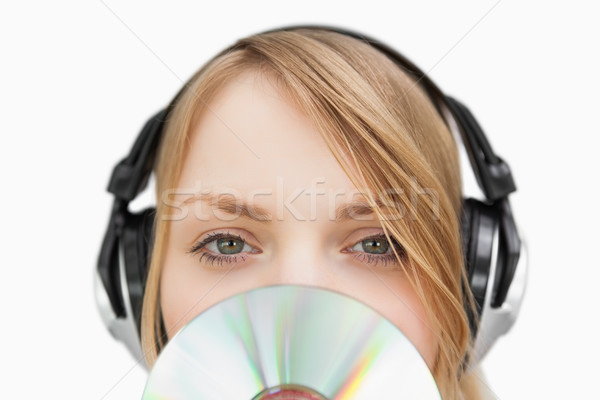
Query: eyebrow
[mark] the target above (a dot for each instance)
(230, 205)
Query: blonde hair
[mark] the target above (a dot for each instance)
(384, 132)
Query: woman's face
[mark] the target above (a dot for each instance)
(252, 148)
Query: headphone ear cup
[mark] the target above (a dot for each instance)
(478, 223)
(137, 244)
(466, 229)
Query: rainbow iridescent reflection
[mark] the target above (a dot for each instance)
(287, 336)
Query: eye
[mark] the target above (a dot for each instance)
(224, 247)
(220, 247)
(376, 248)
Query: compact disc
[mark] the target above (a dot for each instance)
(290, 342)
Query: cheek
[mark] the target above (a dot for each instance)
(409, 315)
(392, 295)
(184, 293)
(187, 289)
(175, 299)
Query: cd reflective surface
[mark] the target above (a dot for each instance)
(290, 342)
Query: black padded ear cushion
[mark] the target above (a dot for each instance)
(137, 243)
(465, 229)
(478, 223)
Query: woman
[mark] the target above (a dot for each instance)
(306, 156)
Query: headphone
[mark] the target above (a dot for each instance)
(495, 256)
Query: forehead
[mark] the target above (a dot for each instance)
(250, 137)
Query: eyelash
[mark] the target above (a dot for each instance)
(220, 259)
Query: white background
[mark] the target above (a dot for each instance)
(78, 80)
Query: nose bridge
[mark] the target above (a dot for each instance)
(300, 261)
